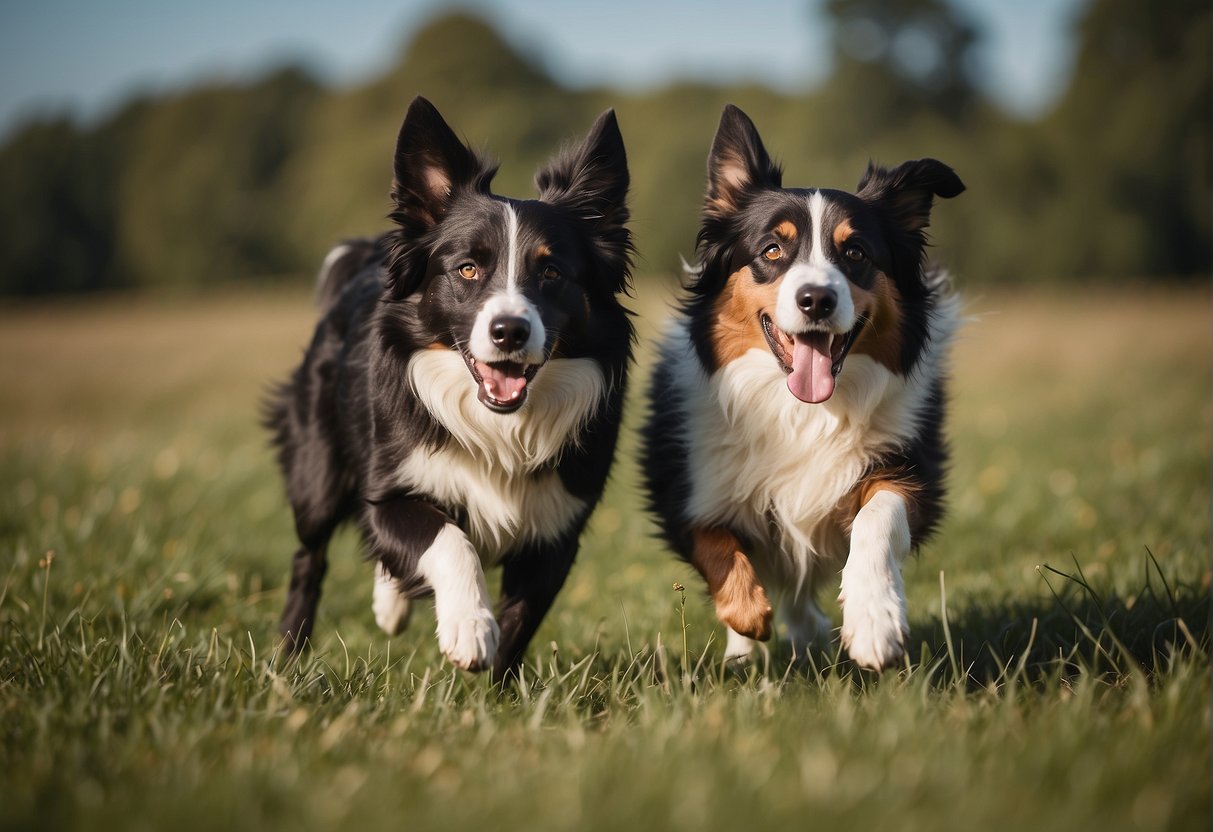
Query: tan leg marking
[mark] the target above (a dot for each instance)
(741, 602)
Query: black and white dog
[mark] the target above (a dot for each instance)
(462, 394)
(797, 404)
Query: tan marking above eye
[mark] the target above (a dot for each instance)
(786, 229)
(772, 252)
(842, 232)
(468, 271)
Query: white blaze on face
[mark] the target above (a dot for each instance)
(508, 302)
(813, 268)
(815, 344)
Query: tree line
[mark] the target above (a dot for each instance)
(254, 182)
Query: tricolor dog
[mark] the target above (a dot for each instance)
(797, 405)
(462, 393)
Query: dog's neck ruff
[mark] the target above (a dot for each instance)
(564, 395)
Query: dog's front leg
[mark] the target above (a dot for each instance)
(417, 543)
(874, 625)
(741, 602)
(530, 581)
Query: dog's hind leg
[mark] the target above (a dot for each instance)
(320, 504)
(299, 615)
(391, 606)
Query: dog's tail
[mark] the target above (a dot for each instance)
(339, 268)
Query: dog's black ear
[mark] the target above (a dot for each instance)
(432, 166)
(590, 180)
(738, 164)
(906, 193)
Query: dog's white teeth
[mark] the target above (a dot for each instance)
(830, 344)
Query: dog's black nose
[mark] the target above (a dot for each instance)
(818, 302)
(509, 332)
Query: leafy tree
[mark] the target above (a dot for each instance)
(896, 59)
(1128, 146)
(199, 197)
(243, 182)
(57, 209)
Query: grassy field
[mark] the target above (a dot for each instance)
(1059, 676)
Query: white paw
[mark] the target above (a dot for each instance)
(737, 647)
(390, 607)
(874, 625)
(469, 641)
(467, 631)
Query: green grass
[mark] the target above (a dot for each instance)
(1059, 675)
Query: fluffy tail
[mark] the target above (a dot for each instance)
(339, 267)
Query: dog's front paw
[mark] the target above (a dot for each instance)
(746, 611)
(737, 648)
(874, 626)
(469, 641)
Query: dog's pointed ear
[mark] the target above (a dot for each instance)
(738, 164)
(590, 181)
(907, 192)
(431, 167)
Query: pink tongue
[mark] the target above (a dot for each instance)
(501, 385)
(811, 380)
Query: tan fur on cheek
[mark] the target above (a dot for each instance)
(741, 602)
(881, 336)
(736, 329)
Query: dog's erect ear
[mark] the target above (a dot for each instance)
(738, 164)
(431, 167)
(590, 181)
(907, 192)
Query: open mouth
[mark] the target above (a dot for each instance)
(811, 359)
(501, 386)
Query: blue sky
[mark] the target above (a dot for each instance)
(86, 57)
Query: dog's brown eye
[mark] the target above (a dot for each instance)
(853, 253)
(468, 271)
(551, 273)
(772, 252)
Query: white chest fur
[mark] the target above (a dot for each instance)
(496, 466)
(776, 468)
